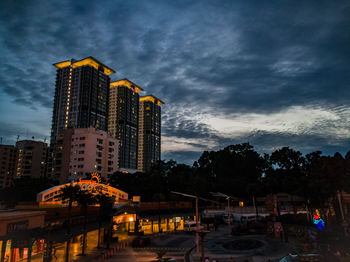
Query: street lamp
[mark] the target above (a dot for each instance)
(197, 225)
(219, 194)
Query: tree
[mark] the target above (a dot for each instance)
(229, 170)
(106, 205)
(85, 199)
(25, 188)
(285, 171)
(70, 193)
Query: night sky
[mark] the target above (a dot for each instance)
(272, 73)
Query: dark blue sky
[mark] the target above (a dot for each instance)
(273, 73)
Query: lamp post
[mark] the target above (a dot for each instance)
(197, 225)
(219, 194)
(202, 234)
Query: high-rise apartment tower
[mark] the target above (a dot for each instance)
(123, 120)
(81, 100)
(149, 132)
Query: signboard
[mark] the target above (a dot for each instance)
(136, 199)
(17, 226)
(318, 221)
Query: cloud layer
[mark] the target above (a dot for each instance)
(273, 73)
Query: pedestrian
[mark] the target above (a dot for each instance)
(54, 253)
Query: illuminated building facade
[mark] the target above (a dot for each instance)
(81, 95)
(53, 194)
(81, 100)
(92, 151)
(149, 132)
(31, 158)
(123, 121)
(8, 160)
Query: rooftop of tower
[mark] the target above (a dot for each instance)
(86, 61)
(151, 98)
(128, 83)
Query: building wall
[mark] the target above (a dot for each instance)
(8, 161)
(53, 193)
(21, 220)
(31, 158)
(149, 150)
(61, 157)
(81, 99)
(92, 151)
(123, 122)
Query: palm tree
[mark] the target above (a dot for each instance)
(85, 199)
(71, 194)
(106, 204)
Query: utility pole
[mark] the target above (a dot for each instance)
(197, 224)
(197, 213)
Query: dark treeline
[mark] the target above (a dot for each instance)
(238, 170)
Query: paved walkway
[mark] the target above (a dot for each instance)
(215, 248)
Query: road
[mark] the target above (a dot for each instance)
(142, 255)
(175, 246)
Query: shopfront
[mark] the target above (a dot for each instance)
(20, 235)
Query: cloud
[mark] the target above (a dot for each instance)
(228, 71)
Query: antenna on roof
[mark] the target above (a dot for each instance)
(17, 138)
(45, 140)
(0, 140)
(33, 137)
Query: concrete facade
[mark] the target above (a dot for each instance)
(31, 158)
(8, 161)
(123, 120)
(92, 151)
(149, 149)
